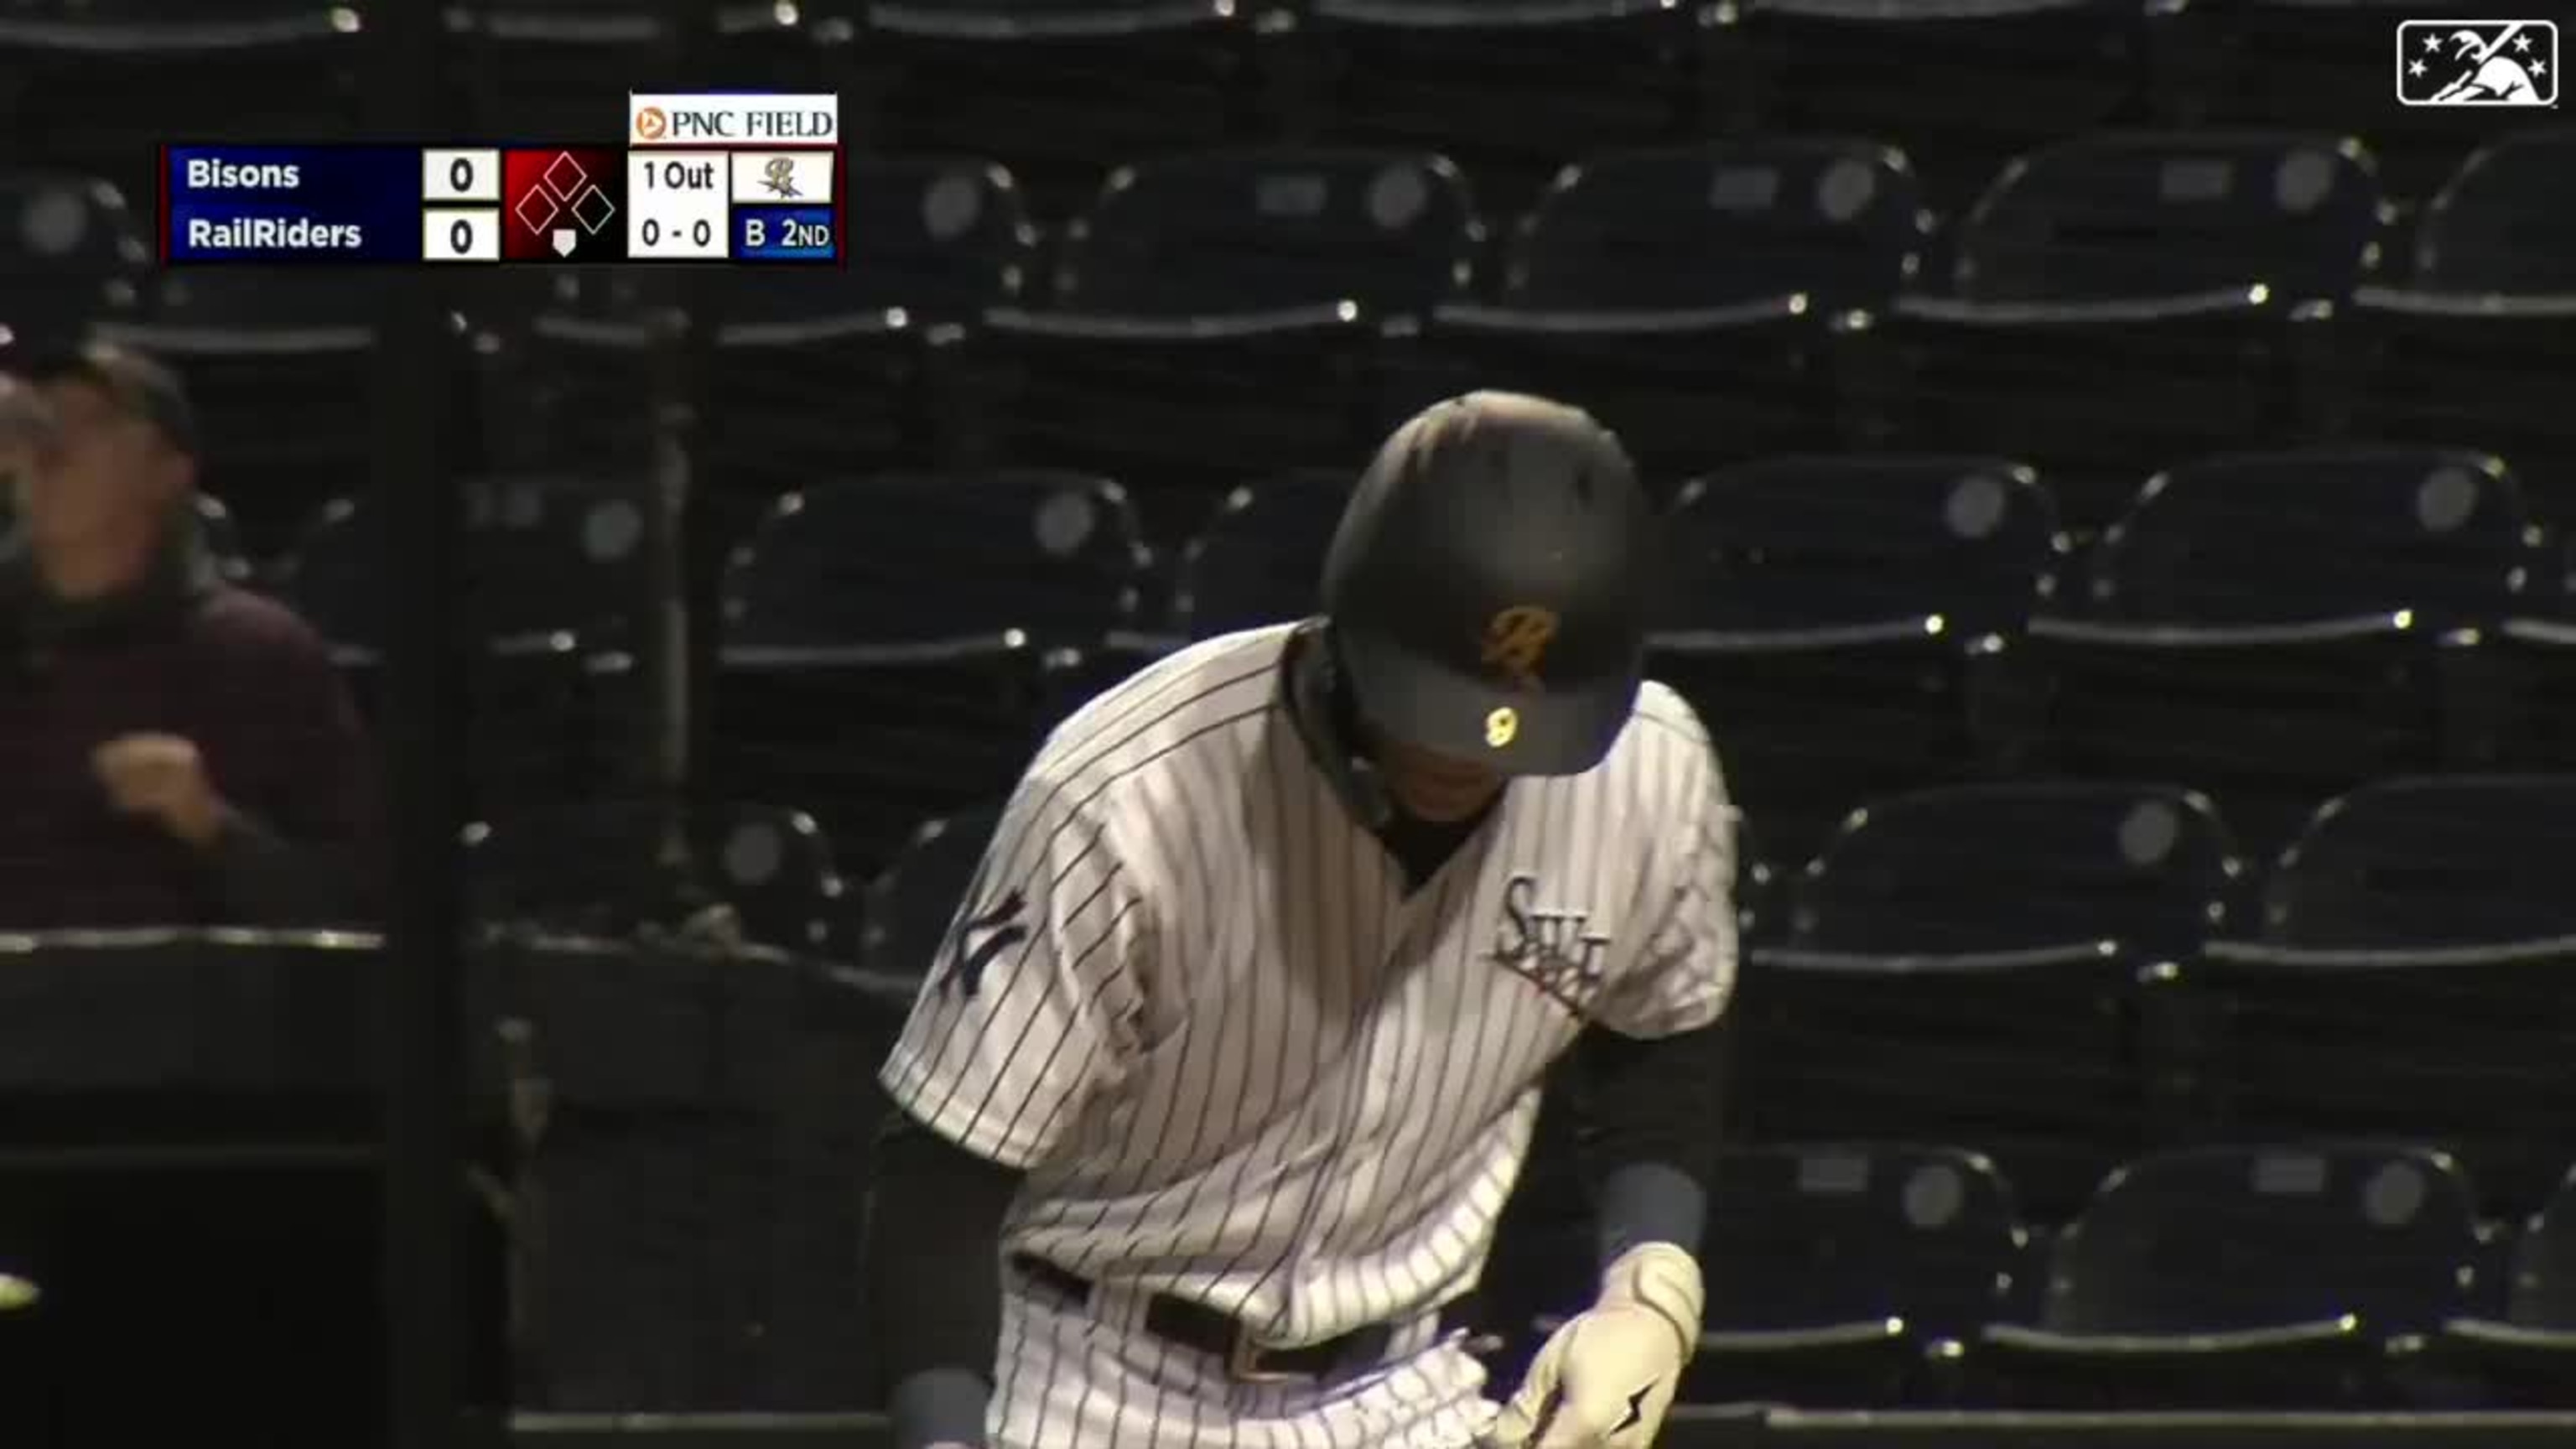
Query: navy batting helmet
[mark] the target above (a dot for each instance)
(1489, 585)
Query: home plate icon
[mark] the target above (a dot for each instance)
(2464, 63)
(559, 204)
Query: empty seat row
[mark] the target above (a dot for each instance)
(2059, 974)
(2065, 973)
(2112, 302)
(1918, 544)
(765, 875)
(1063, 90)
(2329, 1275)
(2272, 628)
(1843, 221)
(2275, 629)
(612, 868)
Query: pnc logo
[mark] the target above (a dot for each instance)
(652, 124)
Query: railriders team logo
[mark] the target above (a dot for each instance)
(2477, 63)
(1514, 646)
(1516, 643)
(1553, 947)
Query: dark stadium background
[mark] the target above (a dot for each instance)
(2119, 463)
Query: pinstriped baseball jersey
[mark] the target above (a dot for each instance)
(1239, 1059)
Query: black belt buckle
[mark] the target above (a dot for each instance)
(1243, 1364)
(1254, 1362)
(1209, 1330)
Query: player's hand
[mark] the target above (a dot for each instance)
(161, 778)
(1607, 1378)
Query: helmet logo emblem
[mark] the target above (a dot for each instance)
(1516, 643)
(1501, 726)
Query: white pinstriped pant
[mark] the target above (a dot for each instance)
(1076, 1376)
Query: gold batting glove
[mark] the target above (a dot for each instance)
(1607, 1378)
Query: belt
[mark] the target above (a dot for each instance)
(1210, 1331)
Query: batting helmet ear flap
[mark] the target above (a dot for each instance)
(1319, 705)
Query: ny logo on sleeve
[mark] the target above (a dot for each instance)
(982, 937)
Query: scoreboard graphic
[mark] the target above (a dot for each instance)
(700, 178)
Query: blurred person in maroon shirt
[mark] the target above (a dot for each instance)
(21, 421)
(173, 750)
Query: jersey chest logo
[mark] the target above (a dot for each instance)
(1553, 947)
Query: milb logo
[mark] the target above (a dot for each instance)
(2467, 63)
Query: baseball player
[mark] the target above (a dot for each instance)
(2487, 74)
(1210, 1104)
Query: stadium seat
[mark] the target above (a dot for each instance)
(610, 867)
(222, 540)
(2252, 1277)
(533, 70)
(1260, 559)
(945, 239)
(775, 867)
(1934, 75)
(554, 566)
(1686, 390)
(2466, 350)
(279, 367)
(1719, 224)
(100, 85)
(2124, 300)
(2032, 1056)
(1838, 1274)
(2408, 982)
(2276, 628)
(880, 675)
(72, 252)
(2499, 223)
(793, 375)
(592, 868)
(2431, 861)
(2525, 1356)
(1058, 90)
(1693, 297)
(553, 577)
(1256, 231)
(820, 374)
(2150, 867)
(1219, 311)
(2170, 214)
(1761, 910)
(912, 901)
(1995, 996)
(567, 559)
(1459, 78)
(1846, 622)
(2308, 64)
(262, 300)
